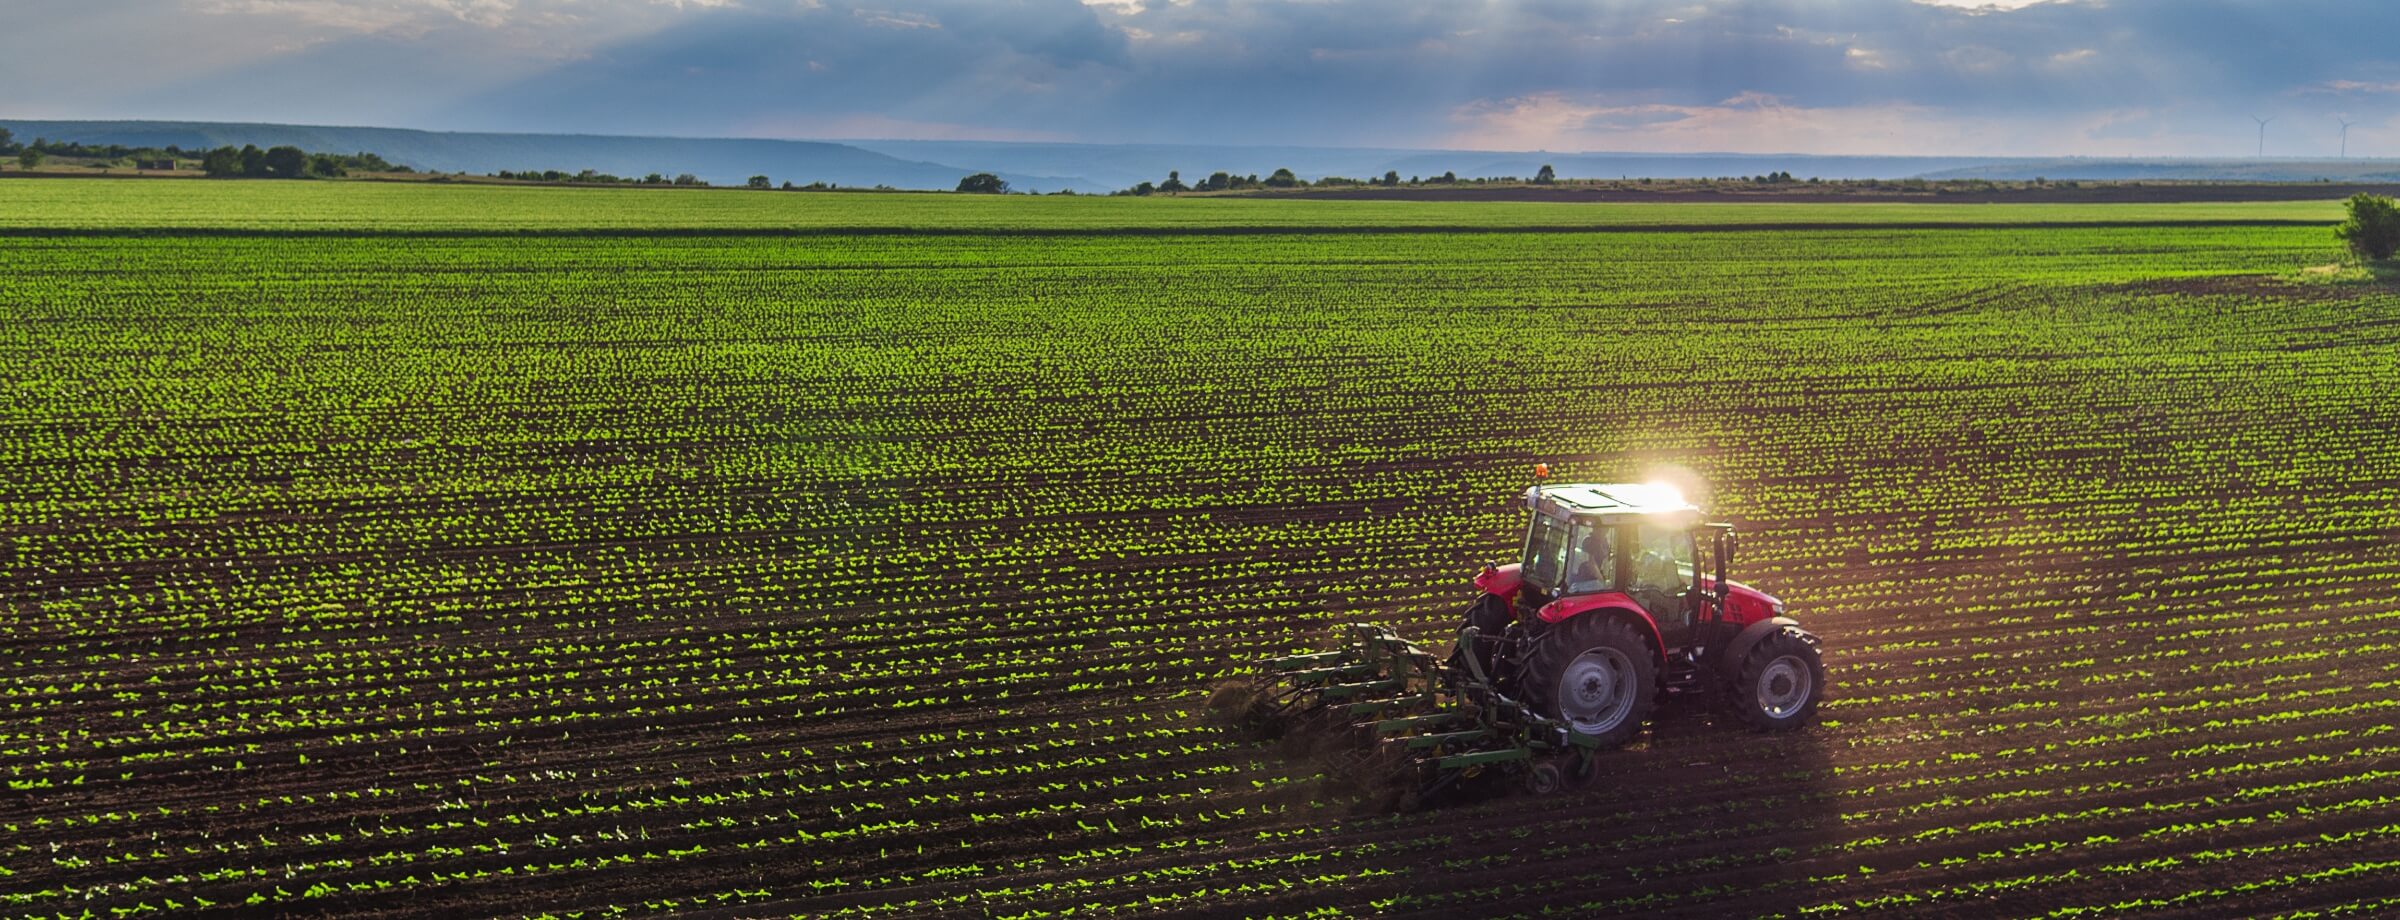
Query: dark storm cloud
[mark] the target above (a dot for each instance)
(804, 69)
(2040, 59)
(2069, 76)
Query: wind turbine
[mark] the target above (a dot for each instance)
(2262, 134)
(2345, 135)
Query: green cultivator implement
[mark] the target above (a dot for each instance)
(1420, 723)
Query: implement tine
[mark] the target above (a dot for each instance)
(1482, 758)
(1313, 659)
(1360, 669)
(1346, 691)
(1411, 723)
(1444, 739)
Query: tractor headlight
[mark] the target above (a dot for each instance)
(1778, 609)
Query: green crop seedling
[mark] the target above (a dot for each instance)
(593, 552)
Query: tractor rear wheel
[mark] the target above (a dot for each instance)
(1595, 674)
(1490, 614)
(1779, 683)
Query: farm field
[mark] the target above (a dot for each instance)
(38, 206)
(365, 557)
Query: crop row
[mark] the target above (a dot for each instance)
(882, 575)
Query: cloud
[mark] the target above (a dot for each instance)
(1927, 77)
(2358, 86)
(1977, 59)
(879, 127)
(1984, 5)
(329, 17)
(1554, 122)
(926, 68)
(896, 20)
(418, 17)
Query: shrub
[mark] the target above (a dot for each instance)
(2373, 229)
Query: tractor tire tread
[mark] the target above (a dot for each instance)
(1741, 691)
(1568, 640)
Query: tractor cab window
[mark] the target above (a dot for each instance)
(1662, 560)
(1545, 552)
(1590, 564)
(1661, 568)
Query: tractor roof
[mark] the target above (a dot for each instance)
(1608, 499)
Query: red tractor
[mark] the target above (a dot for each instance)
(1610, 608)
(1565, 652)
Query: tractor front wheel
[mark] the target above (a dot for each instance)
(1595, 674)
(1779, 683)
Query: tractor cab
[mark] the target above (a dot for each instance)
(1638, 542)
(1621, 594)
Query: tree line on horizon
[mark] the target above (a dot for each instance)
(281, 162)
(1222, 181)
(596, 177)
(289, 162)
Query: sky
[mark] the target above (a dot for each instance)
(1917, 77)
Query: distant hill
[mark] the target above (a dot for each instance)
(1048, 167)
(1119, 166)
(2129, 170)
(1123, 165)
(722, 161)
